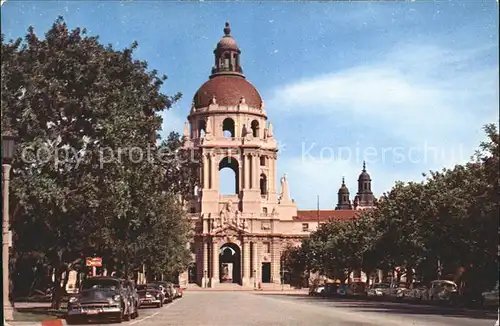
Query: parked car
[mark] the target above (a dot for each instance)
(151, 295)
(443, 290)
(417, 291)
(133, 296)
(342, 290)
(398, 290)
(379, 290)
(168, 290)
(179, 290)
(356, 289)
(490, 298)
(101, 297)
(332, 289)
(317, 290)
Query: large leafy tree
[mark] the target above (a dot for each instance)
(87, 179)
(447, 224)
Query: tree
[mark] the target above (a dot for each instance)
(83, 183)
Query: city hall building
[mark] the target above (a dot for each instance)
(239, 238)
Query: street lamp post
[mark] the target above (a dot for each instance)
(8, 149)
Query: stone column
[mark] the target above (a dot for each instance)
(246, 263)
(258, 263)
(246, 170)
(275, 262)
(205, 172)
(256, 174)
(254, 263)
(204, 280)
(214, 173)
(215, 263)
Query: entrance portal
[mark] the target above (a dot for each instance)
(266, 272)
(230, 263)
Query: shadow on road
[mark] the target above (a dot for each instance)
(397, 308)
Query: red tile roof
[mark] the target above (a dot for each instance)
(325, 215)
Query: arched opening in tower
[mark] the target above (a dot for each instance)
(263, 184)
(228, 128)
(202, 128)
(255, 128)
(229, 176)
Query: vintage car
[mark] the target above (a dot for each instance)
(168, 291)
(179, 290)
(417, 291)
(490, 298)
(398, 290)
(101, 297)
(379, 290)
(356, 289)
(443, 290)
(317, 290)
(151, 295)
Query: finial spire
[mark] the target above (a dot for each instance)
(343, 181)
(364, 166)
(227, 29)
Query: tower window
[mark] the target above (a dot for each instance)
(264, 210)
(202, 127)
(305, 227)
(262, 161)
(228, 127)
(227, 58)
(263, 185)
(255, 128)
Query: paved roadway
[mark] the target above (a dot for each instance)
(248, 308)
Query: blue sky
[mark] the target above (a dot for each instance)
(406, 86)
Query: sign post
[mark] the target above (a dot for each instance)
(93, 262)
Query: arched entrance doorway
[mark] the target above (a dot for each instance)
(230, 263)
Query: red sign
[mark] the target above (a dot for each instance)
(94, 262)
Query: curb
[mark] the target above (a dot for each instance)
(52, 322)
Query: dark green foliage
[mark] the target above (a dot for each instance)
(91, 112)
(452, 218)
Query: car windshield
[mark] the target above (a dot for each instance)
(381, 286)
(105, 284)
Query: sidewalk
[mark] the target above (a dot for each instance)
(53, 322)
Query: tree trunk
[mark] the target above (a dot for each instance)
(57, 293)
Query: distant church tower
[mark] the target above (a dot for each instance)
(364, 198)
(343, 201)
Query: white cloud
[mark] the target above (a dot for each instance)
(416, 91)
(417, 95)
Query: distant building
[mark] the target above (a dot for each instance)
(239, 238)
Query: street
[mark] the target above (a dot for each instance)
(248, 308)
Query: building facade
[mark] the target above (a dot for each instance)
(239, 238)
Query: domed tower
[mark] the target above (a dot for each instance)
(228, 126)
(343, 201)
(364, 197)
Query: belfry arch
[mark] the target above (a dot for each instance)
(232, 164)
(228, 128)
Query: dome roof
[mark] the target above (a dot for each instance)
(364, 176)
(343, 188)
(228, 91)
(227, 42)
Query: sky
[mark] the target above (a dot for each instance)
(404, 86)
